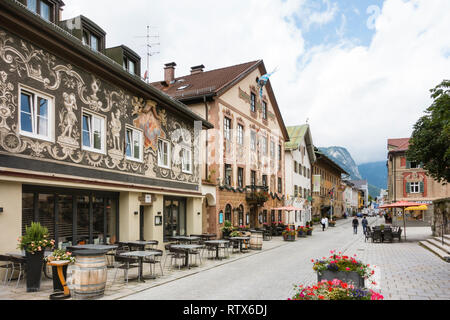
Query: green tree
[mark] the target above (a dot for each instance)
(430, 141)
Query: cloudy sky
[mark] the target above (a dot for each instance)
(359, 70)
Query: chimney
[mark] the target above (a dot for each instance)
(197, 69)
(169, 72)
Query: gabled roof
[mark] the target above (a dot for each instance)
(199, 84)
(296, 136)
(216, 82)
(321, 155)
(401, 144)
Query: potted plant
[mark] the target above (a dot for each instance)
(332, 223)
(59, 255)
(334, 290)
(288, 234)
(301, 231)
(235, 233)
(34, 242)
(227, 228)
(308, 228)
(342, 267)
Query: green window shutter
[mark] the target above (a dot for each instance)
(408, 187)
(408, 164)
(421, 187)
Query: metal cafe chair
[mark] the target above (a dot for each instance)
(124, 263)
(153, 260)
(17, 263)
(7, 265)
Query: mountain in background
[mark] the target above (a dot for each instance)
(372, 172)
(375, 172)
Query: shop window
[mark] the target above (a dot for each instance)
(93, 132)
(241, 215)
(36, 115)
(228, 212)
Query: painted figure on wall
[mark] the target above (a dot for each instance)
(116, 127)
(149, 121)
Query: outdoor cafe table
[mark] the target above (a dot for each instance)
(205, 236)
(141, 255)
(187, 248)
(241, 240)
(140, 243)
(102, 247)
(185, 238)
(217, 243)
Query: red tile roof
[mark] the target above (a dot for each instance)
(401, 144)
(202, 83)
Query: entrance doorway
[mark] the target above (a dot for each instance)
(174, 217)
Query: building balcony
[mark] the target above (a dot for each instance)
(256, 194)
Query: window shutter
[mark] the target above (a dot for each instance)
(408, 164)
(421, 187)
(408, 187)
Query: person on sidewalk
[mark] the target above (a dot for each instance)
(326, 223)
(364, 224)
(355, 224)
(322, 222)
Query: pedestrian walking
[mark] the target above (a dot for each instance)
(322, 222)
(364, 224)
(355, 224)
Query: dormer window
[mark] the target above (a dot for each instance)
(129, 65)
(41, 7)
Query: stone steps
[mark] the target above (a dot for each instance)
(435, 245)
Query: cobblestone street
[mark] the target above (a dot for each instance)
(404, 270)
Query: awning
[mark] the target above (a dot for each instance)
(422, 207)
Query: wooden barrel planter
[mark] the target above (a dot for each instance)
(256, 240)
(89, 274)
(348, 277)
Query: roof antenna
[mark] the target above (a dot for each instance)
(149, 52)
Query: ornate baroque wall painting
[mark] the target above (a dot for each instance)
(74, 90)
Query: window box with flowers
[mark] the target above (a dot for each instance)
(288, 234)
(34, 242)
(59, 255)
(344, 268)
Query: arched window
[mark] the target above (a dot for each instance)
(228, 212)
(241, 215)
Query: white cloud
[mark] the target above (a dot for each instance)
(354, 96)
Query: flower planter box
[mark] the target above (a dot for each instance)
(301, 234)
(288, 237)
(348, 277)
(309, 233)
(34, 266)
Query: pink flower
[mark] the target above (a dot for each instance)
(348, 269)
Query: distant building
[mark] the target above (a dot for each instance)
(363, 186)
(327, 188)
(408, 181)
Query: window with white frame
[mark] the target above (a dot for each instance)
(240, 134)
(415, 187)
(134, 146)
(253, 140)
(93, 132)
(163, 153)
(264, 110)
(264, 145)
(186, 160)
(272, 149)
(36, 115)
(227, 128)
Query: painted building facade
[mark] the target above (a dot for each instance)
(243, 157)
(408, 181)
(327, 188)
(87, 148)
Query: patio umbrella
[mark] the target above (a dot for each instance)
(402, 205)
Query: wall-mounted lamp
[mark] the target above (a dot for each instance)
(136, 213)
(198, 213)
(159, 212)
